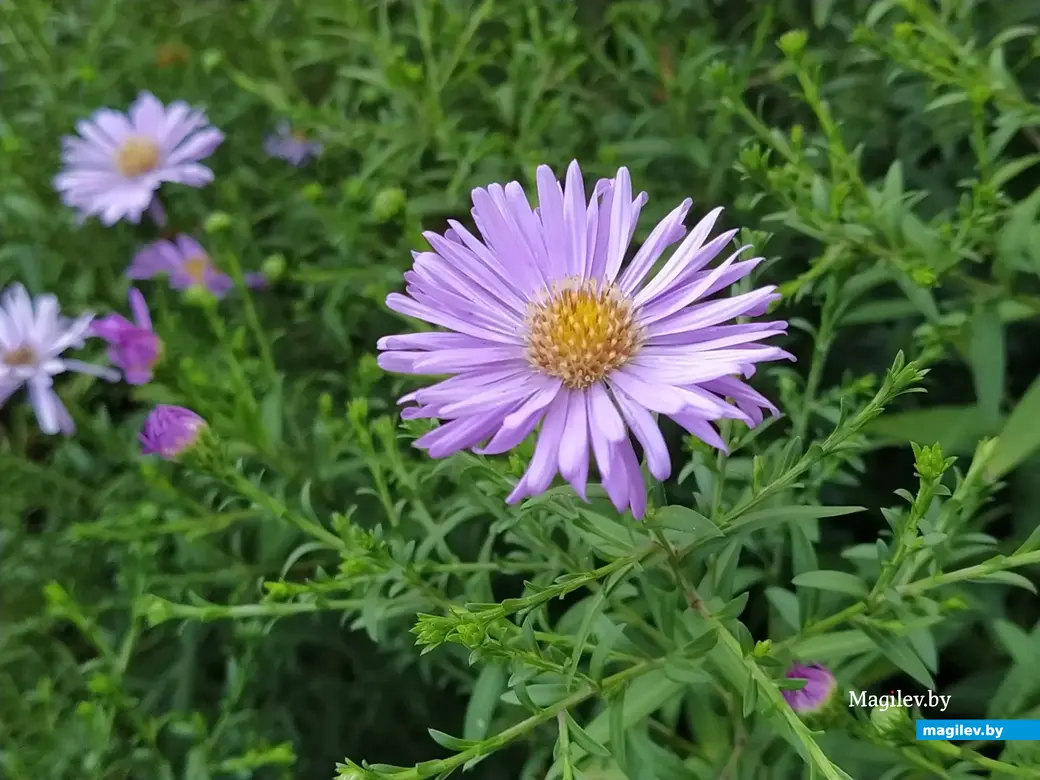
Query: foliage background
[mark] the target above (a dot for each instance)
(898, 207)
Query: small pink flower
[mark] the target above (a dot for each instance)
(133, 346)
(170, 430)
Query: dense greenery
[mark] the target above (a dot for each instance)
(261, 618)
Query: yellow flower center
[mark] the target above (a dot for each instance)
(20, 356)
(196, 268)
(137, 155)
(580, 333)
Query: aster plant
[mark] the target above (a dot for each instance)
(547, 327)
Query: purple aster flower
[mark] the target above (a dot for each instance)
(33, 336)
(115, 165)
(547, 327)
(819, 687)
(291, 146)
(185, 261)
(170, 430)
(188, 265)
(133, 346)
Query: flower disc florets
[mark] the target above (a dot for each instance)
(580, 332)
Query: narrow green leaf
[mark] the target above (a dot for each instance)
(956, 429)
(987, 357)
(1007, 578)
(450, 742)
(900, 652)
(680, 518)
(685, 671)
(1020, 436)
(786, 605)
(541, 694)
(750, 699)
(1031, 543)
(640, 699)
(582, 738)
(595, 604)
(783, 514)
(617, 727)
(701, 645)
(606, 636)
(836, 581)
(490, 684)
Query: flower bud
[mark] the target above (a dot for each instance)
(170, 431)
(819, 690)
(890, 723)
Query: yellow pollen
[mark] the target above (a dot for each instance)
(20, 356)
(137, 155)
(196, 268)
(579, 333)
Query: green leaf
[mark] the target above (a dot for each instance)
(1021, 646)
(582, 738)
(1007, 578)
(592, 610)
(784, 514)
(617, 727)
(1031, 543)
(944, 101)
(686, 521)
(1009, 171)
(786, 605)
(271, 413)
(750, 698)
(643, 697)
(821, 12)
(608, 536)
(900, 652)
(483, 700)
(606, 636)
(702, 644)
(685, 671)
(540, 694)
(450, 742)
(987, 357)
(1020, 436)
(836, 581)
(834, 647)
(956, 429)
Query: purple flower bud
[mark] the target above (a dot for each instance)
(819, 687)
(170, 430)
(133, 346)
